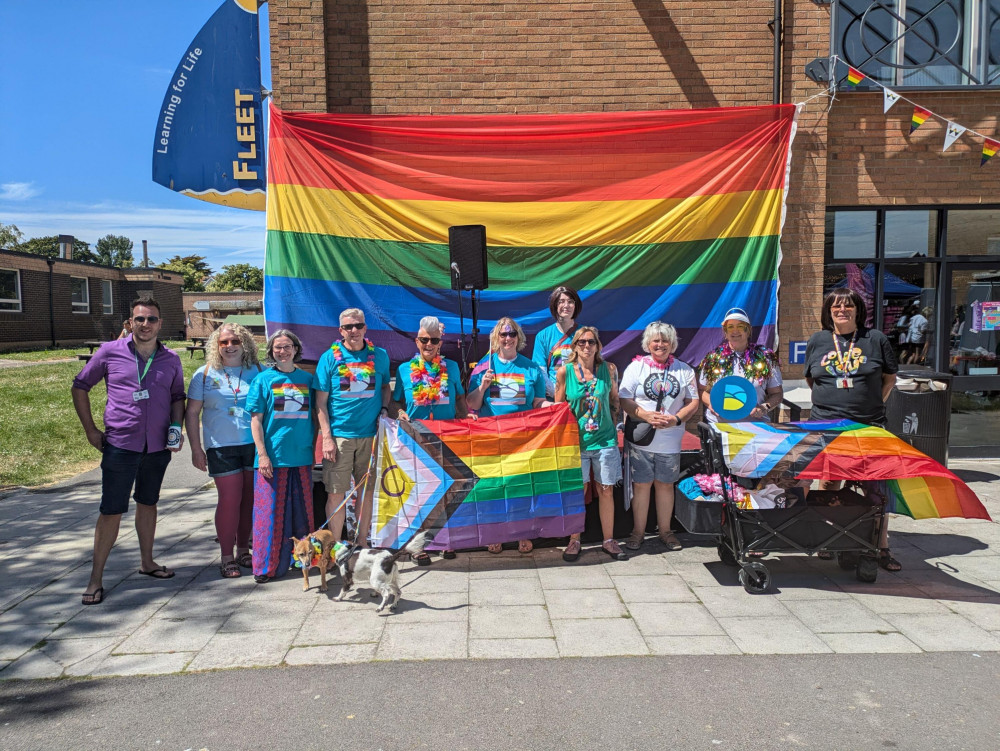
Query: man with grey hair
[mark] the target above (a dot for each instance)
(352, 390)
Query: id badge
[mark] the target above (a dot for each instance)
(236, 411)
(845, 383)
(138, 396)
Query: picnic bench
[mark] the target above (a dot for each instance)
(92, 345)
(192, 348)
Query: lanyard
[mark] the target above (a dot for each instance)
(236, 391)
(843, 361)
(146, 369)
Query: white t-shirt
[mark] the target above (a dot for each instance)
(642, 383)
(917, 330)
(760, 387)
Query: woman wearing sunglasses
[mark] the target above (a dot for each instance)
(429, 387)
(217, 395)
(590, 385)
(506, 382)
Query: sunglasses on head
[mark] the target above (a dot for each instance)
(145, 319)
(229, 342)
(586, 343)
(429, 339)
(352, 326)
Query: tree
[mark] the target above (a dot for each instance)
(239, 276)
(194, 269)
(10, 236)
(49, 247)
(115, 250)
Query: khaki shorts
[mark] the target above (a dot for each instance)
(353, 458)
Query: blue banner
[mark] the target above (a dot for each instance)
(209, 141)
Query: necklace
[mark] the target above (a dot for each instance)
(653, 363)
(429, 380)
(235, 389)
(592, 417)
(367, 368)
(757, 362)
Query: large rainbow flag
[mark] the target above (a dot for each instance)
(671, 215)
(477, 482)
(843, 450)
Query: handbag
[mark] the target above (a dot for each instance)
(640, 433)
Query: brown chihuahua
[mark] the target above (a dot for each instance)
(314, 550)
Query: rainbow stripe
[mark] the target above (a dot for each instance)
(854, 77)
(920, 116)
(497, 479)
(990, 148)
(650, 215)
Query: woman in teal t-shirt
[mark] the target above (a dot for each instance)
(284, 433)
(552, 344)
(590, 385)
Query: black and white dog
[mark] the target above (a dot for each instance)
(381, 567)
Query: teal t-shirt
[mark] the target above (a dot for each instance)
(225, 420)
(606, 434)
(356, 397)
(516, 386)
(552, 349)
(444, 408)
(285, 400)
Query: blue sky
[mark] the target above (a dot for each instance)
(80, 88)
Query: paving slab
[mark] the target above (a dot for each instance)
(170, 635)
(943, 633)
(35, 664)
(729, 602)
(501, 649)
(773, 636)
(146, 664)
(598, 637)
(584, 603)
(509, 622)
(517, 591)
(674, 619)
(869, 643)
(263, 615)
(837, 616)
(423, 641)
(575, 576)
(984, 612)
(333, 654)
(692, 645)
(433, 607)
(662, 587)
(347, 627)
(245, 649)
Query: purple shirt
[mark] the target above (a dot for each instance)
(129, 424)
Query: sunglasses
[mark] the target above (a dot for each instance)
(229, 342)
(145, 319)
(429, 339)
(508, 335)
(352, 326)
(587, 343)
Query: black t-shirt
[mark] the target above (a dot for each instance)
(870, 358)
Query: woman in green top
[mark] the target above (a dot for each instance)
(590, 385)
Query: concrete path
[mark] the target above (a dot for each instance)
(947, 598)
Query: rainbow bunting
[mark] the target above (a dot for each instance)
(920, 116)
(672, 215)
(854, 77)
(843, 450)
(989, 150)
(473, 483)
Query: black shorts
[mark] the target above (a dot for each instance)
(121, 469)
(230, 460)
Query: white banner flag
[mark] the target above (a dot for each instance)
(889, 98)
(953, 133)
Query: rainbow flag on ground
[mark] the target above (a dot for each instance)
(671, 215)
(843, 450)
(477, 482)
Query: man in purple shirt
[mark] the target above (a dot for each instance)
(145, 399)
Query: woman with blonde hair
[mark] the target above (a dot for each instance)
(217, 396)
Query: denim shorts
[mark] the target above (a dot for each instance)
(606, 463)
(231, 460)
(647, 466)
(121, 468)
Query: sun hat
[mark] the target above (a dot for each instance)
(736, 314)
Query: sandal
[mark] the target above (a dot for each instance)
(572, 551)
(524, 547)
(886, 561)
(612, 549)
(421, 560)
(262, 578)
(634, 541)
(245, 560)
(94, 598)
(495, 548)
(230, 570)
(449, 555)
(671, 541)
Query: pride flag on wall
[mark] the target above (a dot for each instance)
(671, 215)
(478, 482)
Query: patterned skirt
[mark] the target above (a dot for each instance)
(282, 507)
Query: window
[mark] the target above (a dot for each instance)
(79, 294)
(10, 290)
(107, 299)
(851, 234)
(920, 43)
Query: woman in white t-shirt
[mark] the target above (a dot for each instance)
(737, 356)
(644, 381)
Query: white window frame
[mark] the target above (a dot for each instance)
(107, 297)
(17, 287)
(80, 307)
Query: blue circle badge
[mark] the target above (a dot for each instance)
(733, 398)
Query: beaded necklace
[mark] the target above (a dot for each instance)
(592, 417)
(429, 380)
(758, 363)
(366, 368)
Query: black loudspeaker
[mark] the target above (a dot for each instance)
(467, 251)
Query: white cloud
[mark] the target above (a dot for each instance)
(18, 191)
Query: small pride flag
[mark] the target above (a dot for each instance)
(854, 76)
(920, 116)
(989, 150)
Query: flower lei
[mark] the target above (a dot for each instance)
(653, 362)
(429, 379)
(758, 362)
(367, 368)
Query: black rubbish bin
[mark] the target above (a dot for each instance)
(922, 416)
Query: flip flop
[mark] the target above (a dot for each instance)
(158, 573)
(95, 598)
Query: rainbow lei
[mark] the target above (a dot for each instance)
(652, 362)
(758, 363)
(591, 418)
(367, 368)
(429, 380)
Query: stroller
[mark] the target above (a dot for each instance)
(845, 522)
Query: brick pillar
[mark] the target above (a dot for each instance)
(298, 55)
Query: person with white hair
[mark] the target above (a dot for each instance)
(658, 392)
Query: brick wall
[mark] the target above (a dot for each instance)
(201, 323)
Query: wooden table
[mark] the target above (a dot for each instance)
(92, 345)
